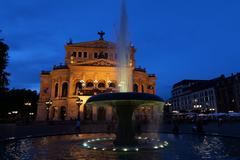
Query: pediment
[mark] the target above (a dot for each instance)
(101, 62)
(94, 44)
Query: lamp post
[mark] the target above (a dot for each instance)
(78, 102)
(212, 110)
(27, 105)
(48, 105)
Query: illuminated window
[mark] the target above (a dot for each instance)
(101, 85)
(113, 85)
(89, 84)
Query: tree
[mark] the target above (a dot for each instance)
(14, 100)
(3, 64)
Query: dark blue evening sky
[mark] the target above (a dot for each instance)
(187, 39)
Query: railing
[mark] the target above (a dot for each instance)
(55, 67)
(87, 92)
(151, 75)
(45, 72)
(140, 69)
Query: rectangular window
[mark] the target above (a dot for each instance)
(74, 54)
(206, 93)
(79, 54)
(85, 54)
(95, 55)
(206, 99)
(106, 55)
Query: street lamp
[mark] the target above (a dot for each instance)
(14, 113)
(78, 103)
(48, 105)
(28, 104)
(168, 104)
(212, 110)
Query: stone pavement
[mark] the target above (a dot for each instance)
(68, 127)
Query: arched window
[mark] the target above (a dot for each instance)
(74, 54)
(142, 89)
(64, 89)
(56, 90)
(150, 87)
(113, 85)
(135, 88)
(89, 84)
(78, 87)
(101, 85)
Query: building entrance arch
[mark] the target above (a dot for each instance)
(63, 113)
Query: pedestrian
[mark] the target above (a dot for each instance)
(175, 129)
(78, 125)
(220, 122)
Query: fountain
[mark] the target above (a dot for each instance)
(124, 102)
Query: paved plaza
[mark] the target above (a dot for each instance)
(36, 129)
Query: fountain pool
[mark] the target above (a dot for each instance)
(185, 146)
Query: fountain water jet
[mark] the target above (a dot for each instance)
(123, 52)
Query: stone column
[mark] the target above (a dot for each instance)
(82, 112)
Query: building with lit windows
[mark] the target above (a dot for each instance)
(89, 69)
(221, 94)
(194, 95)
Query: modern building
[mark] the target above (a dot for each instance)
(221, 94)
(189, 95)
(90, 68)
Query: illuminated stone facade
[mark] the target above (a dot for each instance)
(90, 68)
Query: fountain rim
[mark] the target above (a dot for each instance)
(124, 96)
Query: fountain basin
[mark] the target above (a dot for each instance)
(125, 103)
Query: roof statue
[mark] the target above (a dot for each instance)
(101, 34)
